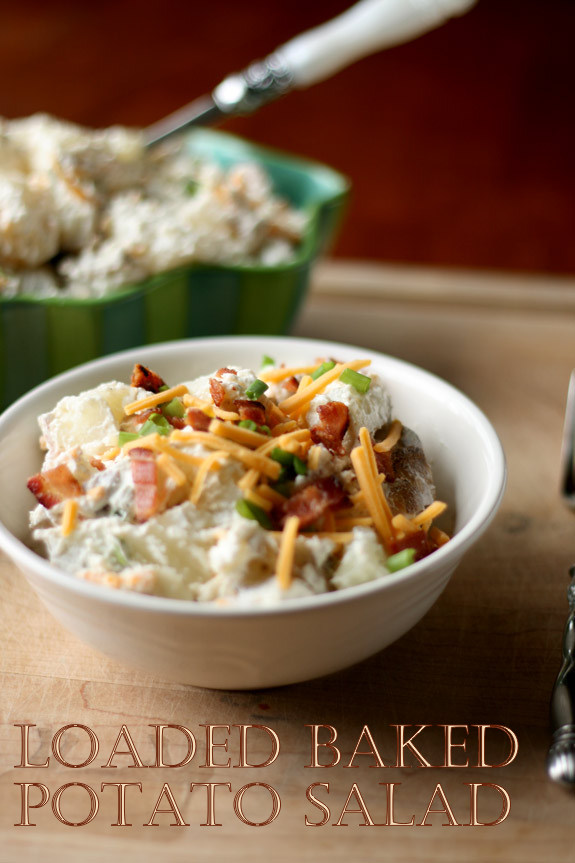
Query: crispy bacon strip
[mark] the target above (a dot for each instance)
(291, 384)
(251, 410)
(145, 476)
(313, 501)
(199, 421)
(146, 379)
(54, 486)
(217, 392)
(334, 421)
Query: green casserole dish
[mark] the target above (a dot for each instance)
(41, 337)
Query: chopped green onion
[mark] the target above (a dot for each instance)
(191, 187)
(118, 554)
(255, 390)
(284, 458)
(156, 423)
(174, 408)
(248, 424)
(355, 379)
(247, 509)
(284, 475)
(163, 388)
(400, 560)
(299, 466)
(267, 361)
(321, 370)
(265, 430)
(126, 437)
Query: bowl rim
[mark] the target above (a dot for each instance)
(304, 253)
(445, 557)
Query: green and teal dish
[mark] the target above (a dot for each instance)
(41, 337)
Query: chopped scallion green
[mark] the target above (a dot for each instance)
(355, 379)
(191, 187)
(321, 370)
(256, 389)
(126, 437)
(163, 388)
(265, 430)
(174, 408)
(285, 458)
(267, 361)
(400, 560)
(247, 509)
(248, 424)
(299, 466)
(156, 423)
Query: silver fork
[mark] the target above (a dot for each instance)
(561, 756)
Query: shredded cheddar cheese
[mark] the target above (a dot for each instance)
(231, 416)
(303, 396)
(282, 428)
(400, 522)
(429, 513)
(286, 555)
(439, 537)
(314, 457)
(252, 458)
(155, 399)
(243, 436)
(271, 494)
(209, 463)
(363, 462)
(274, 376)
(110, 454)
(69, 516)
(249, 479)
(168, 465)
(392, 438)
(260, 501)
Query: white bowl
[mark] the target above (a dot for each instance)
(227, 648)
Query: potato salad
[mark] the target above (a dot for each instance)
(84, 212)
(235, 487)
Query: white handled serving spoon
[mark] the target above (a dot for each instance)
(365, 28)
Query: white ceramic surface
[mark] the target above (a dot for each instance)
(226, 648)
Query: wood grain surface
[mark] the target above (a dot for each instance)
(487, 652)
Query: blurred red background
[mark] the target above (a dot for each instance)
(459, 144)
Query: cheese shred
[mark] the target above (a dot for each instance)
(69, 516)
(155, 399)
(286, 555)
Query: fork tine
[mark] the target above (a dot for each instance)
(568, 448)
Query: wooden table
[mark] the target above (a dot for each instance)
(487, 653)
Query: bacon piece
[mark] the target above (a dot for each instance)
(145, 476)
(334, 421)
(198, 419)
(225, 371)
(251, 410)
(314, 500)
(146, 379)
(95, 462)
(176, 422)
(291, 385)
(53, 486)
(217, 391)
